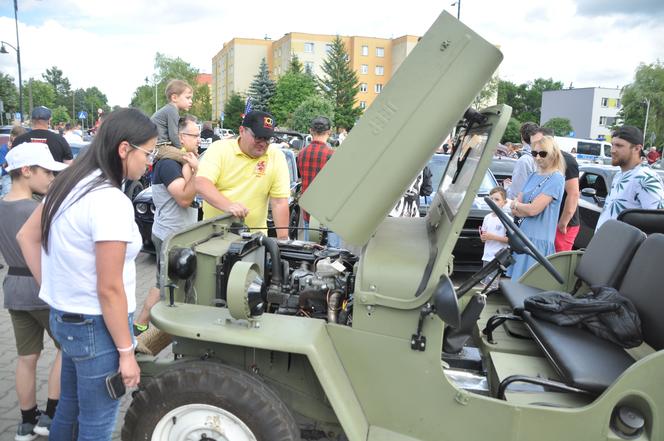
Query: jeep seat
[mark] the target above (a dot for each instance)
(590, 363)
(648, 221)
(602, 264)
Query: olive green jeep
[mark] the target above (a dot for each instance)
(288, 340)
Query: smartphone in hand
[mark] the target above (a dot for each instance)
(115, 386)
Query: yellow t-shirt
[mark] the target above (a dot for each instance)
(241, 178)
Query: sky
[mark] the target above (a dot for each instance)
(112, 44)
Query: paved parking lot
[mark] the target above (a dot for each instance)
(9, 412)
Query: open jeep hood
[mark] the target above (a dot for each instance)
(397, 135)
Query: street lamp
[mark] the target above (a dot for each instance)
(458, 5)
(154, 83)
(646, 101)
(3, 50)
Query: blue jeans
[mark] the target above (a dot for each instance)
(333, 240)
(89, 355)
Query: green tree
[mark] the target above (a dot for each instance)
(486, 95)
(8, 93)
(309, 109)
(295, 65)
(560, 126)
(233, 110)
(144, 99)
(40, 93)
(60, 84)
(60, 114)
(340, 85)
(648, 84)
(526, 99)
(512, 133)
(262, 89)
(202, 107)
(292, 89)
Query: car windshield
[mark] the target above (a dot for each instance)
(438, 164)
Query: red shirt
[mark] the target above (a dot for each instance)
(653, 156)
(310, 161)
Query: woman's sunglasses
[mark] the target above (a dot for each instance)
(541, 153)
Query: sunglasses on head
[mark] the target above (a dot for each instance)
(541, 153)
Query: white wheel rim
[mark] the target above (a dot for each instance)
(196, 422)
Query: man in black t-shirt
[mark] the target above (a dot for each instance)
(57, 144)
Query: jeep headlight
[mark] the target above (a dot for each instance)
(141, 208)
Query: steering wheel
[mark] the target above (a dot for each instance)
(530, 248)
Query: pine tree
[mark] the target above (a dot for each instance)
(233, 111)
(340, 85)
(261, 89)
(295, 65)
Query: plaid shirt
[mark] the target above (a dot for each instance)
(310, 161)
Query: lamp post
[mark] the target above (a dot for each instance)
(458, 5)
(3, 50)
(646, 101)
(154, 83)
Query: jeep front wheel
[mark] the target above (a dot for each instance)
(205, 401)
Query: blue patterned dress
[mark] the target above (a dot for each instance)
(540, 229)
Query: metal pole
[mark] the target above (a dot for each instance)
(645, 124)
(458, 9)
(154, 78)
(18, 59)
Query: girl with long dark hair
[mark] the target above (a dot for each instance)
(82, 243)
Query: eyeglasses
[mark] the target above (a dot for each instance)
(195, 135)
(542, 154)
(151, 155)
(257, 138)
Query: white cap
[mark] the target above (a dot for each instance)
(28, 154)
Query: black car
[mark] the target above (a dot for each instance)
(144, 208)
(594, 184)
(469, 248)
(502, 168)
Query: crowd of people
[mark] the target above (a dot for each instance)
(544, 192)
(71, 255)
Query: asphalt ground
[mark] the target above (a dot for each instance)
(9, 410)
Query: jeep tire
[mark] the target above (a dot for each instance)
(212, 401)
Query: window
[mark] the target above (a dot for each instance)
(379, 70)
(308, 66)
(607, 120)
(328, 48)
(605, 102)
(363, 104)
(365, 50)
(364, 69)
(378, 88)
(380, 52)
(363, 87)
(308, 48)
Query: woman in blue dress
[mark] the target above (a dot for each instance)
(539, 203)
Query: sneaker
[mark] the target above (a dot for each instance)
(25, 432)
(43, 426)
(139, 329)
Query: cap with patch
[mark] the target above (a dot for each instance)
(28, 154)
(42, 113)
(260, 123)
(631, 134)
(320, 124)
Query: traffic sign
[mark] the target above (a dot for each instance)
(82, 115)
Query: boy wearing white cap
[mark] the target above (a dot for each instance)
(31, 167)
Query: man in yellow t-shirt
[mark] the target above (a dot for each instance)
(239, 176)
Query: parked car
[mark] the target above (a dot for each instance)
(4, 134)
(502, 168)
(596, 180)
(469, 248)
(144, 208)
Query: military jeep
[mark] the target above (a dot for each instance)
(288, 340)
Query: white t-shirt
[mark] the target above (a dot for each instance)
(69, 275)
(492, 224)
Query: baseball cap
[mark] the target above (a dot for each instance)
(261, 123)
(631, 134)
(320, 124)
(41, 112)
(28, 154)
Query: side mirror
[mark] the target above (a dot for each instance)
(589, 192)
(445, 301)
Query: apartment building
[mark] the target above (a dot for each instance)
(374, 59)
(591, 110)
